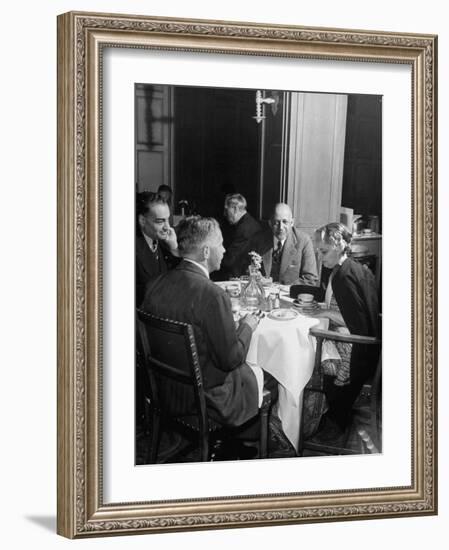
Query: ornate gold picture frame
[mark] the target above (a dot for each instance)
(82, 41)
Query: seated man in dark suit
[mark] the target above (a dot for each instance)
(240, 228)
(156, 244)
(156, 250)
(233, 389)
(287, 253)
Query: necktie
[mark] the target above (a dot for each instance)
(276, 263)
(277, 253)
(154, 249)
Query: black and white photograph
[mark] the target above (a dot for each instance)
(245, 272)
(258, 274)
(178, 364)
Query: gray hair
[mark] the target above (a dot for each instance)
(194, 232)
(334, 233)
(236, 199)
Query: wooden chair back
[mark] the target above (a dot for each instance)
(174, 374)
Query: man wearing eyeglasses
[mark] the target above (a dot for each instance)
(287, 253)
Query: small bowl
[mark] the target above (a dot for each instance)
(305, 298)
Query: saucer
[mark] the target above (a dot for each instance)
(305, 298)
(306, 306)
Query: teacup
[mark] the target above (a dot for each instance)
(305, 298)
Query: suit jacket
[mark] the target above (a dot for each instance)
(186, 294)
(355, 291)
(298, 263)
(148, 265)
(237, 240)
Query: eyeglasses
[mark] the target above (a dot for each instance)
(281, 222)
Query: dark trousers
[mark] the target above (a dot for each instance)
(272, 385)
(251, 429)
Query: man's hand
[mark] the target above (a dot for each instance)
(251, 320)
(171, 240)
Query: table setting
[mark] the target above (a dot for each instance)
(281, 344)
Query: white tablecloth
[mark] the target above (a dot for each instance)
(286, 351)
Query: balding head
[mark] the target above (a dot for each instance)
(281, 221)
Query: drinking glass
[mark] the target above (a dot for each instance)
(233, 291)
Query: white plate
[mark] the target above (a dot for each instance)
(283, 314)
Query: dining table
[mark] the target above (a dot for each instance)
(282, 346)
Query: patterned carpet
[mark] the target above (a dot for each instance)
(359, 440)
(278, 447)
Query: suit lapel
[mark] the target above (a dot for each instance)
(147, 259)
(267, 251)
(267, 258)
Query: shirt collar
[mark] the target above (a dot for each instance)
(275, 242)
(338, 265)
(150, 242)
(342, 259)
(198, 265)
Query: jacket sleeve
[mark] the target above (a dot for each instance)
(236, 261)
(141, 282)
(234, 257)
(308, 273)
(227, 346)
(357, 299)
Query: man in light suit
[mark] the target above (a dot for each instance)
(187, 294)
(287, 253)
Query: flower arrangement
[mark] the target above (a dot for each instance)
(253, 294)
(256, 259)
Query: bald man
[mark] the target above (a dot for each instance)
(287, 253)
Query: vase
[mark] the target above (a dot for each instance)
(253, 295)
